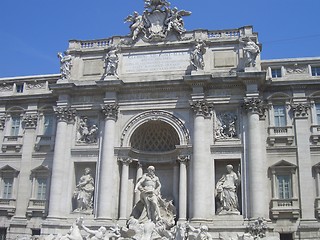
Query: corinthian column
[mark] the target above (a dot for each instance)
(59, 167)
(257, 163)
(124, 187)
(201, 198)
(107, 180)
(183, 187)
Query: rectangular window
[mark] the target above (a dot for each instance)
(276, 72)
(284, 186)
(19, 88)
(3, 233)
(48, 125)
(315, 71)
(41, 188)
(279, 116)
(15, 126)
(286, 236)
(318, 113)
(7, 188)
(36, 232)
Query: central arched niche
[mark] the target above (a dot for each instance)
(154, 137)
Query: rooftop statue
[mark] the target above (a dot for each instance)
(251, 51)
(156, 4)
(65, 65)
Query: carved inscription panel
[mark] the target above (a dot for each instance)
(155, 62)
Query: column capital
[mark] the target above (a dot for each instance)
(255, 105)
(110, 111)
(2, 122)
(125, 160)
(30, 120)
(300, 110)
(65, 114)
(201, 107)
(183, 158)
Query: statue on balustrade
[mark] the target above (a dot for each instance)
(84, 192)
(197, 55)
(226, 192)
(65, 65)
(111, 62)
(251, 51)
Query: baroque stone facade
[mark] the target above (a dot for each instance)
(164, 133)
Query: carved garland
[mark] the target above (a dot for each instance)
(154, 115)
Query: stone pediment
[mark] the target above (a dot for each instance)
(283, 164)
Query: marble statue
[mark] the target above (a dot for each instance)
(74, 231)
(84, 192)
(156, 4)
(197, 56)
(95, 234)
(65, 65)
(149, 187)
(111, 62)
(226, 192)
(251, 51)
(87, 134)
(175, 20)
(200, 233)
(137, 24)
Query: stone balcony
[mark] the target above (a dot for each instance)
(280, 135)
(7, 207)
(44, 142)
(12, 143)
(37, 208)
(315, 134)
(285, 208)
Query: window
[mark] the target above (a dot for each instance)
(35, 232)
(15, 126)
(3, 233)
(7, 188)
(315, 71)
(276, 73)
(41, 188)
(279, 115)
(19, 88)
(318, 113)
(8, 175)
(286, 236)
(284, 186)
(48, 125)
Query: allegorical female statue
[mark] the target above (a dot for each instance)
(226, 192)
(84, 192)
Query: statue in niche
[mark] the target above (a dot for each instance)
(226, 192)
(65, 65)
(200, 233)
(226, 126)
(153, 215)
(84, 192)
(251, 51)
(111, 62)
(137, 24)
(87, 134)
(197, 55)
(175, 20)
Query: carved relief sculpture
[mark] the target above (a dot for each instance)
(175, 20)
(30, 120)
(86, 133)
(197, 55)
(226, 192)
(84, 192)
(225, 126)
(111, 62)
(251, 51)
(136, 26)
(65, 65)
(200, 233)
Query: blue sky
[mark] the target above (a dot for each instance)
(33, 31)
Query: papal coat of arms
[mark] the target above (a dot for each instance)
(157, 21)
